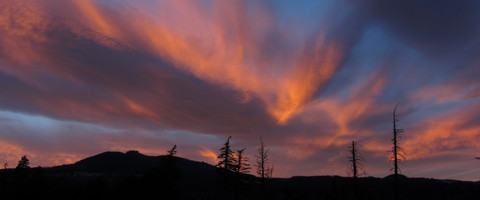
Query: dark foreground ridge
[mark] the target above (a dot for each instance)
(131, 175)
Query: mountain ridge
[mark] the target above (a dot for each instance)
(131, 162)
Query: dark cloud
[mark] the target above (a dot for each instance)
(438, 27)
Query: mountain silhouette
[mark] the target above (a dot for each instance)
(133, 163)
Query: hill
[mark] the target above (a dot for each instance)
(130, 163)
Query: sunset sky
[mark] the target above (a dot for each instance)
(81, 77)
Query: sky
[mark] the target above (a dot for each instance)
(82, 77)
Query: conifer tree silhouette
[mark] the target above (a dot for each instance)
(227, 162)
(242, 162)
(22, 169)
(23, 163)
(355, 160)
(226, 158)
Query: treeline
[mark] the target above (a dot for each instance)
(239, 163)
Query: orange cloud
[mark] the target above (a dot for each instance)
(359, 104)
(95, 19)
(21, 19)
(230, 55)
(341, 112)
(446, 93)
(22, 27)
(443, 133)
(378, 148)
(11, 154)
(138, 109)
(207, 153)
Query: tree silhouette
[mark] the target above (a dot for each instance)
(398, 153)
(172, 151)
(355, 160)
(226, 158)
(170, 154)
(242, 162)
(22, 170)
(263, 170)
(227, 162)
(23, 163)
(242, 167)
(172, 173)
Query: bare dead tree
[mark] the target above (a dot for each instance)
(263, 169)
(262, 161)
(355, 160)
(398, 153)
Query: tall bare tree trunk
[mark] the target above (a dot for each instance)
(398, 153)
